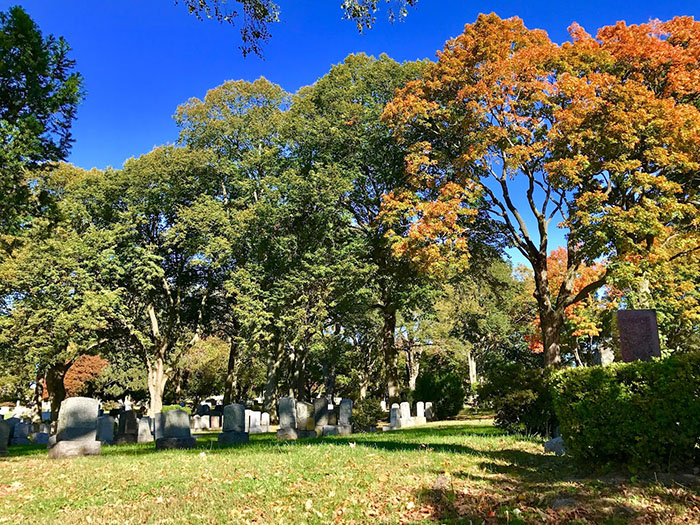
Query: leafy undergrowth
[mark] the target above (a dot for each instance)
(447, 472)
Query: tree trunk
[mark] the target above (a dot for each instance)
(274, 362)
(54, 384)
(390, 354)
(156, 384)
(472, 370)
(551, 320)
(39, 394)
(412, 366)
(231, 386)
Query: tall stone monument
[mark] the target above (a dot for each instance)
(636, 335)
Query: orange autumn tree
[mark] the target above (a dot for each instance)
(580, 136)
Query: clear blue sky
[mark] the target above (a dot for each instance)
(141, 58)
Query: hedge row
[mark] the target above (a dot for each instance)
(641, 414)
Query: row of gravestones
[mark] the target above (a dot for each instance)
(16, 431)
(400, 415)
(255, 422)
(299, 419)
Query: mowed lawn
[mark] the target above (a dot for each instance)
(446, 472)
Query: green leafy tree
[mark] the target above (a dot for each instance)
(39, 95)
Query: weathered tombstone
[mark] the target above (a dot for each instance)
(77, 429)
(215, 422)
(45, 428)
(265, 422)
(344, 426)
(429, 414)
(5, 428)
(395, 416)
(234, 425)
(105, 430)
(420, 413)
(204, 423)
(305, 416)
(254, 425)
(636, 334)
(145, 435)
(287, 412)
(196, 422)
(175, 431)
(128, 428)
(322, 412)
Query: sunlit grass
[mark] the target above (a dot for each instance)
(442, 472)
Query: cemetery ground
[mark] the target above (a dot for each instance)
(449, 472)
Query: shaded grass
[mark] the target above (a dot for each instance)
(447, 472)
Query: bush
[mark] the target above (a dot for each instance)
(365, 414)
(639, 414)
(168, 408)
(440, 382)
(521, 398)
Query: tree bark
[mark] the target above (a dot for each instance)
(551, 318)
(412, 365)
(390, 354)
(472, 370)
(274, 362)
(156, 384)
(231, 386)
(39, 394)
(57, 389)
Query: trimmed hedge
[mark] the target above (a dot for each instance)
(168, 408)
(641, 414)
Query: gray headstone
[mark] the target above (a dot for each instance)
(234, 418)
(555, 445)
(305, 416)
(394, 416)
(215, 422)
(636, 334)
(287, 412)
(176, 424)
(196, 422)
(105, 430)
(20, 432)
(420, 409)
(128, 423)
(321, 411)
(405, 410)
(265, 422)
(429, 414)
(77, 419)
(345, 413)
(145, 435)
(5, 428)
(205, 423)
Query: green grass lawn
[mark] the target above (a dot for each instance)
(447, 472)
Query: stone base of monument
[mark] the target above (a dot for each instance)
(419, 420)
(74, 449)
(126, 439)
(171, 443)
(337, 430)
(231, 437)
(294, 433)
(20, 441)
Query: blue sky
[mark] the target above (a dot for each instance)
(141, 58)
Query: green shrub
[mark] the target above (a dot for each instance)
(521, 398)
(639, 414)
(168, 408)
(365, 414)
(440, 382)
